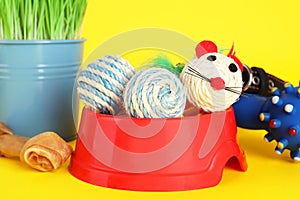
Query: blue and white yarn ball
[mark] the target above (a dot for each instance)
(154, 93)
(102, 83)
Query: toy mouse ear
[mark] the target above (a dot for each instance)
(231, 54)
(204, 47)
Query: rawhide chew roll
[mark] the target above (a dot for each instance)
(45, 152)
(10, 145)
(4, 129)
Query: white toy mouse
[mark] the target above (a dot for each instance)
(213, 81)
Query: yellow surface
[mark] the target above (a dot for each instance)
(266, 34)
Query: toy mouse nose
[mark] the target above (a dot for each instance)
(217, 83)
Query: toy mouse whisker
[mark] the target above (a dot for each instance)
(232, 90)
(236, 92)
(197, 76)
(198, 73)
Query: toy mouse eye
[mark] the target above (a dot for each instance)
(232, 67)
(211, 58)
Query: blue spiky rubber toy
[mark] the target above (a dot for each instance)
(278, 114)
(281, 117)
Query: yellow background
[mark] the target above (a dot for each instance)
(266, 34)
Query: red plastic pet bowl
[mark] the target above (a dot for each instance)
(169, 154)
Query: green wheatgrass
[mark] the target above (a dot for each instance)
(41, 19)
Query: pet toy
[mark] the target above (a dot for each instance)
(274, 110)
(101, 84)
(213, 81)
(44, 152)
(154, 93)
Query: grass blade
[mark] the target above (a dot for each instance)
(41, 19)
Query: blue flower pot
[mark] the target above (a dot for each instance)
(36, 86)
